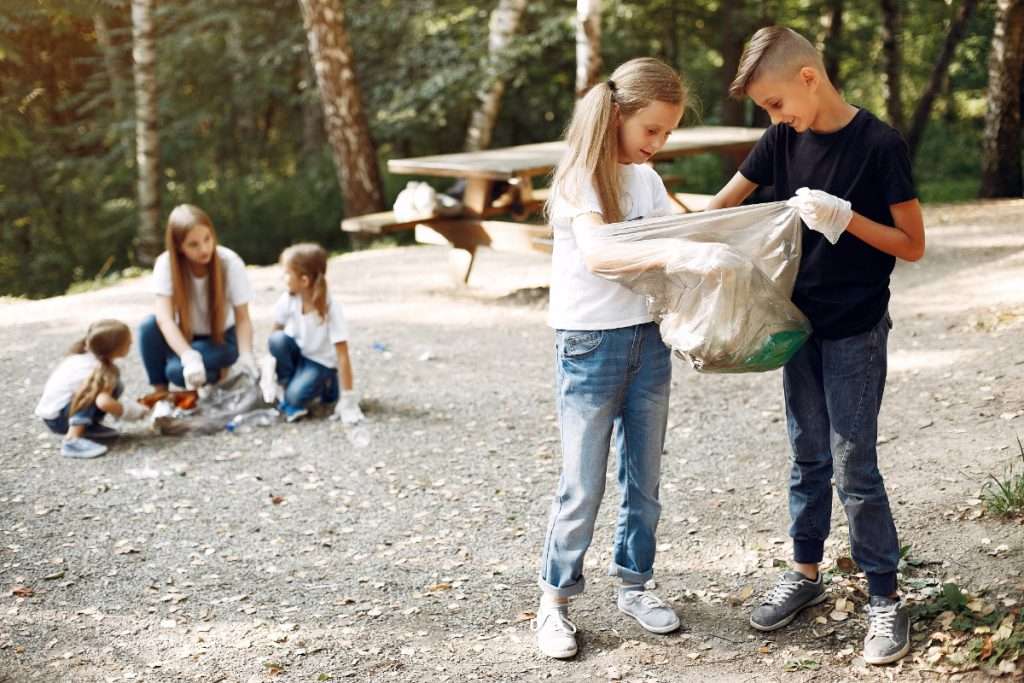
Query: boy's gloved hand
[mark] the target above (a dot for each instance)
(268, 378)
(133, 410)
(348, 410)
(247, 365)
(193, 369)
(822, 212)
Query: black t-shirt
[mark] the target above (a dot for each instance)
(843, 289)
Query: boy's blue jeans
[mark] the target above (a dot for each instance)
(89, 415)
(163, 364)
(833, 390)
(302, 378)
(607, 379)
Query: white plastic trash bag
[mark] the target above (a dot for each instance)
(718, 282)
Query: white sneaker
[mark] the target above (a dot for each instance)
(556, 635)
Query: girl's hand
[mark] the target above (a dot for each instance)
(348, 410)
(193, 369)
(133, 410)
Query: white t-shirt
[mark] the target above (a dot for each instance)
(66, 379)
(236, 288)
(314, 335)
(579, 299)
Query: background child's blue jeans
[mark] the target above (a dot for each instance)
(163, 364)
(302, 378)
(833, 391)
(607, 379)
(89, 415)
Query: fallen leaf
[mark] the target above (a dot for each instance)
(525, 616)
(846, 565)
(22, 592)
(839, 615)
(276, 500)
(986, 649)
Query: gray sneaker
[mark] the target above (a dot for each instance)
(556, 635)
(653, 613)
(791, 593)
(82, 448)
(888, 636)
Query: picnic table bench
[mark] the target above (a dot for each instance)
(518, 166)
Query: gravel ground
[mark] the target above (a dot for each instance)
(289, 554)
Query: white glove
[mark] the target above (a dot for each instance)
(268, 378)
(247, 365)
(193, 369)
(822, 212)
(132, 411)
(348, 410)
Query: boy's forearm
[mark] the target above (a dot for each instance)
(904, 243)
(735, 191)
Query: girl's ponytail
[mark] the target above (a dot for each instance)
(310, 260)
(103, 340)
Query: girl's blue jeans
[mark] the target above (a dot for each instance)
(89, 415)
(163, 364)
(608, 381)
(833, 390)
(302, 378)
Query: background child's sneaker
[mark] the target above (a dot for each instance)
(556, 635)
(291, 413)
(888, 636)
(99, 432)
(791, 593)
(82, 448)
(653, 613)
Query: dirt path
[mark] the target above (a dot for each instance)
(415, 559)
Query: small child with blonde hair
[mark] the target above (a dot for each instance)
(309, 343)
(84, 387)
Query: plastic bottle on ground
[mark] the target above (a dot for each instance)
(358, 436)
(245, 422)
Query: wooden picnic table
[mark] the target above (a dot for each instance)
(517, 166)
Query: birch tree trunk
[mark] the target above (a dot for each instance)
(588, 45)
(1001, 159)
(923, 109)
(147, 139)
(348, 130)
(503, 26)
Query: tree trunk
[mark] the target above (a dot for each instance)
(147, 139)
(118, 86)
(834, 41)
(504, 23)
(588, 45)
(348, 131)
(731, 43)
(891, 24)
(923, 109)
(1001, 163)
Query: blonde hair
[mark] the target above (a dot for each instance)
(182, 220)
(592, 136)
(310, 260)
(103, 339)
(777, 51)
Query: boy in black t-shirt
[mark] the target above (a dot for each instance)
(849, 175)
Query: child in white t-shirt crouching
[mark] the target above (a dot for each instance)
(309, 344)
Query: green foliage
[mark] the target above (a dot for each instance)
(241, 130)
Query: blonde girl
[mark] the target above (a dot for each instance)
(309, 343)
(201, 326)
(613, 372)
(84, 387)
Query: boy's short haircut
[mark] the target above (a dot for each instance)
(775, 50)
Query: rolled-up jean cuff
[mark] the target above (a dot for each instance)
(882, 584)
(628, 575)
(564, 591)
(76, 420)
(808, 552)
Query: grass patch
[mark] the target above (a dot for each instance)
(1005, 497)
